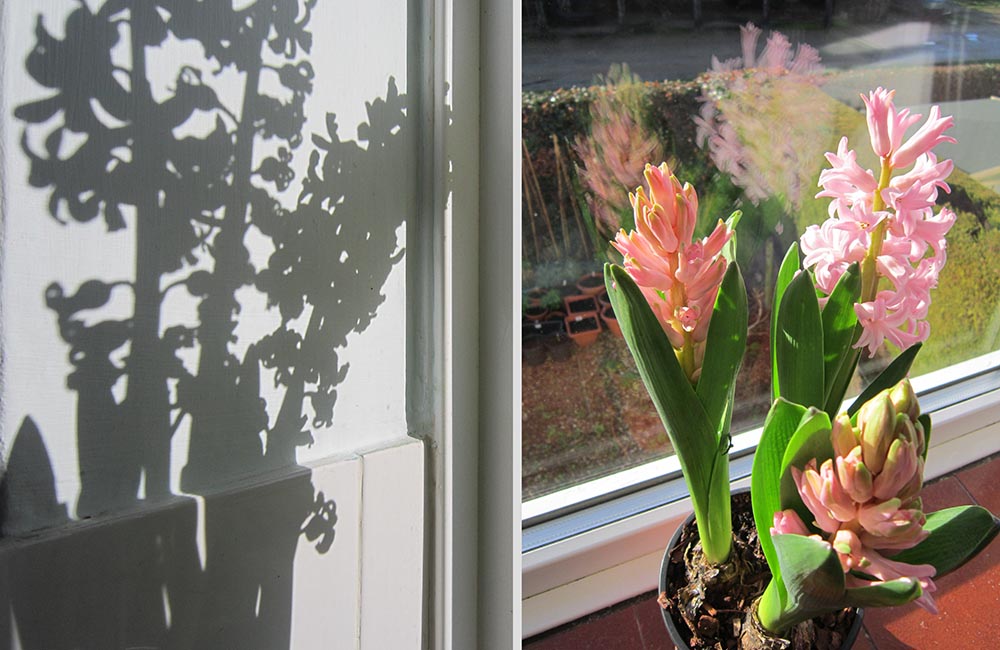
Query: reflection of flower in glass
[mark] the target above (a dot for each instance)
(616, 150)
(888, 225)
(679, 277)
(761, 119)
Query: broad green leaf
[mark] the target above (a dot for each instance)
(786, 272)
(765, 479)
(892, 375)
(724, 348)
(691, 432)
(813, 577)
(884, 594)
(956, 535)
(810, 440)
(799, 344)
(925, 419)
(839, 323)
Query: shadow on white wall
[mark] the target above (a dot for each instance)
(176, 127)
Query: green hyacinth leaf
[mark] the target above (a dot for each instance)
(884, 594)
(839, 325)
(692, 434)
(786, 273)
(780, 425)
(810, 441)
(925, 420)
(956, 535)
(799, 344)
(892, 375)
(724, 348)
(811, 572)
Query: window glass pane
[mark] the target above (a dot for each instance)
(745, 115)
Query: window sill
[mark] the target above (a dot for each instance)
(595, 565)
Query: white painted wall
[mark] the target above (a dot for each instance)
(218, 556)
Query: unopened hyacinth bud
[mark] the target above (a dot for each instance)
(904, 399)
(788, 521)
(843, 436)
(854, 476)
(900, 466)
(864, 500)
(877, 422)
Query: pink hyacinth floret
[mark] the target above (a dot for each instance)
(865, 499)
(888, 221)
(678, 276)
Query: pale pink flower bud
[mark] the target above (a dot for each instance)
(849, 549)
(887, 525)
(843, 435)
(863, 512)
(900, 466)
(788, 522)
(811, 497)
(879, 105)
(906, 429)
(876, 420)
(854, 476)
(904, 399)
(912, 488)
(827, 494)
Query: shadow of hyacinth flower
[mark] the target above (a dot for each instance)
(616, 151)
(761, 120)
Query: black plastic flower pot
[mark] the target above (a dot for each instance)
(668, 568)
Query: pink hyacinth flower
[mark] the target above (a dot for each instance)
(678, 276)
(889, 224)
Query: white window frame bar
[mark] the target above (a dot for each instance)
(464, 363)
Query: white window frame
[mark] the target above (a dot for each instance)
(465, 367)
